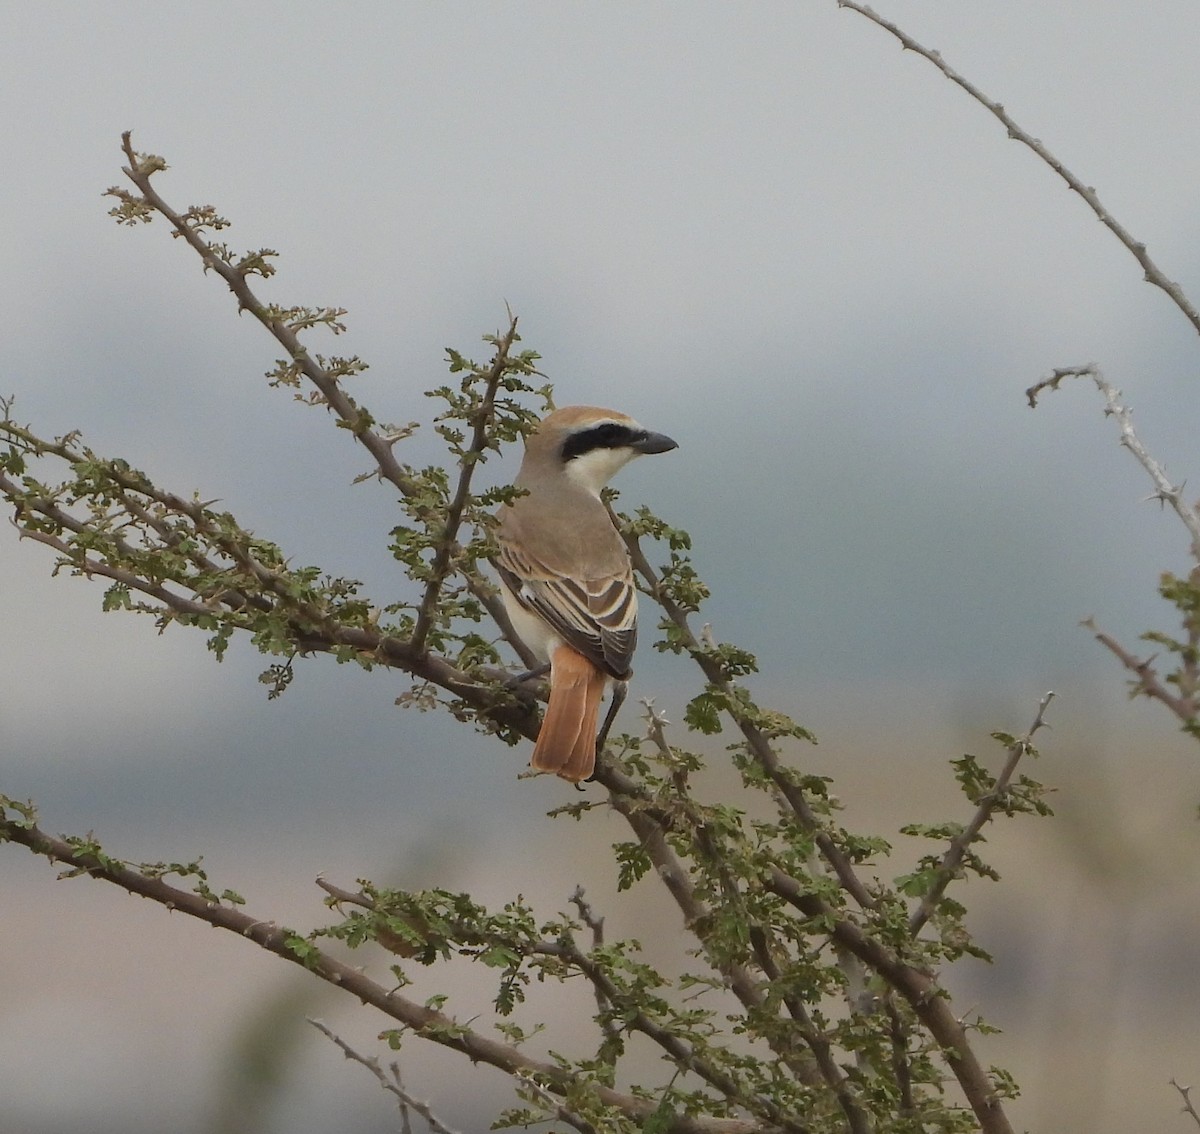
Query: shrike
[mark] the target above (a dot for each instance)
(566, 578)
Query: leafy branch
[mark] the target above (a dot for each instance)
(992, 795)
(84, 856)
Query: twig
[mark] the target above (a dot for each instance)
(556, 1107)
(1164, 490)
(821, 1065)
(1185, 1094)
(587, 915)
(947, 868)
(393, 1085)
(901, 1067)
(448, 540)
(1148, 683)
(1153, 274)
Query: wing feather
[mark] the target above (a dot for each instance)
(597, 617)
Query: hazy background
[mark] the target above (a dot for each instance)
(762, 229)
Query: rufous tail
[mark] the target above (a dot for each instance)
(566, 744)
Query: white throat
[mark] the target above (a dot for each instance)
(594, 469)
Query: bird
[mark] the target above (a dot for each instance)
(566, 577)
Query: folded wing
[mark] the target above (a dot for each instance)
(596, 616)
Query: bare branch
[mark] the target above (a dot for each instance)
(393, 1085)
(1153, 274)
(947, 869)
(1187, 1108)
(1165, 491)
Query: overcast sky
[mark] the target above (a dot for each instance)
(763, 229)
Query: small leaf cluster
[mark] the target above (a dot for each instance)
(1183, 593)
(194, 870)
(1021, 796)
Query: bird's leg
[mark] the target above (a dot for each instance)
(620, 689)
(528, 675)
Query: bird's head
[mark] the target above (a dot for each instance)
(591, 444)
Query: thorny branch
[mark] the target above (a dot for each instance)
(1164, 490)
(1153, 273)
(651, 823)
(325, 636)
(1188, 1108)
(140, 171)
(1146, 680)
(1185, 703)
(596, 925)
(918, 988)
(823, 1055)
(755, 737)
(923, 994)
(607, 993)
(797, 1061)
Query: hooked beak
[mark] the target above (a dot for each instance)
(654, 443)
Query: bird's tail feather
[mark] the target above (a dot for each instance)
(566, 743)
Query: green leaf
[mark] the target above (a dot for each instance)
(660, 1121)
